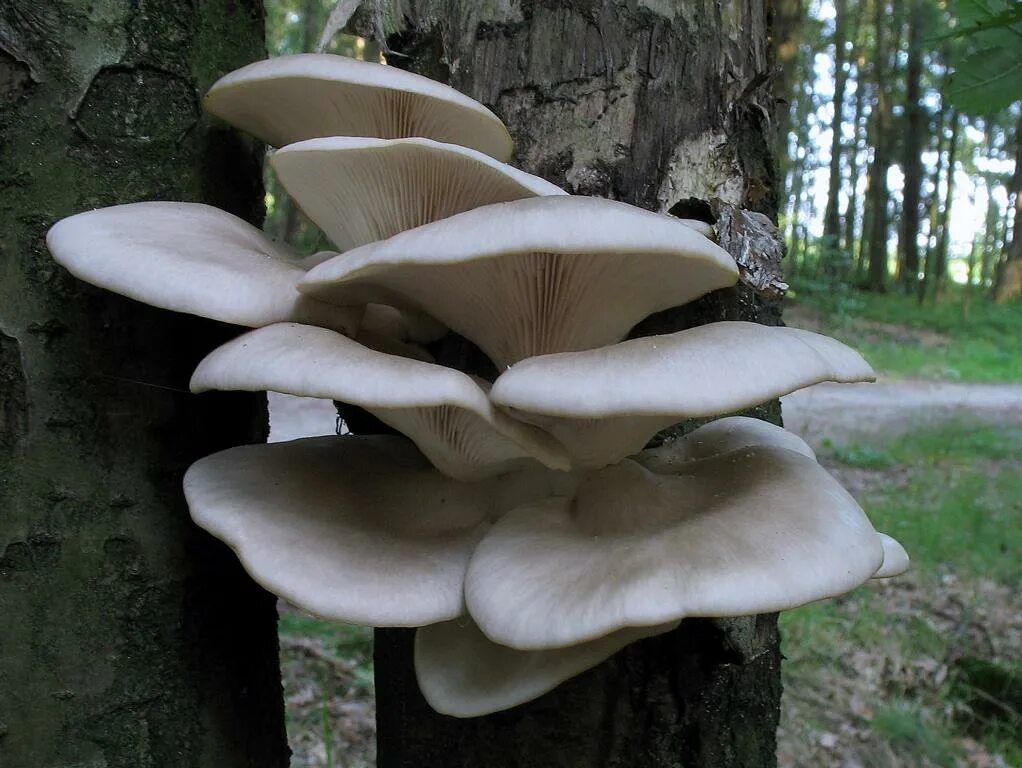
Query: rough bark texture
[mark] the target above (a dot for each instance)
(129, 638)
(664, 104)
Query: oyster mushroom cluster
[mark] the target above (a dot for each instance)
(520, 525)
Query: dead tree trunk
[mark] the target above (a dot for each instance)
(666, 106)
(129, 638)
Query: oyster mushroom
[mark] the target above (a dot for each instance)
(192, 258)
(310, 95)
(442, 410)
(360, 190)
(532, 276)
(605, 404)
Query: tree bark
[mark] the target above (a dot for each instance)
(129, 638)
(665, 105)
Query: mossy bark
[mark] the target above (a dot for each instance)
(665, 104)
(128, 638)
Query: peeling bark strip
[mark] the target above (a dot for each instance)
(755, 243)
(660, 104)
(128, 638)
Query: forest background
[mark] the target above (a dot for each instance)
(899, 144)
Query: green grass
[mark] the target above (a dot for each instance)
(953, 496)
(962, 337)
(351, 643)
(958, 500)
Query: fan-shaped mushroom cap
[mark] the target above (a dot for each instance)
(305, 96)
(192, 258)
(463, 673)
(719, 436)
(401, 325)
(755, 530)
(533, 276)
(359, 529)
(896, 559)
(360, 190)
(604, 404)
(442, 410)
(704, 229)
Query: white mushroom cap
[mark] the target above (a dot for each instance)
(896, 559)
(192, 258)
(358, 529)
(704, 229)
(463, 673)
(360, 190)
(305, 96)
(719, 436)
(533, 276)
(442, 410)
(755, 530)
(401, 325)
(605, 404)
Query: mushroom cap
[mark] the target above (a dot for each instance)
(192, 258)
(750, 531)
(719, 436)
(896, 559)
(533, 276)
(360, 190)
(464, 674)
(358, 529)
(309, 95)
(442, 410)
(399, 325)
(700, 226)
(604, 404)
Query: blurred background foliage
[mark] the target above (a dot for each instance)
(899, 148)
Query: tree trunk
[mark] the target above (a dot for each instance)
(876, 188)
(831, 246)
(932, 207)
(799, 173)
(787, 31)
(944, 223)
(1008, 280)
(912, 147)
(129, 638)
(664, 106)
(852, 209)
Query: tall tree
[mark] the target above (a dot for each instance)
(789, 18)
(664, 107)
(831, 214)
(1008, 279)
(851, 213)
(875, 238)
(912, 148)
(129, 638)
(944, 220)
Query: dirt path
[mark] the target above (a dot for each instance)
(839, 412)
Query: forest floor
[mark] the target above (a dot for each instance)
(918, 671)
